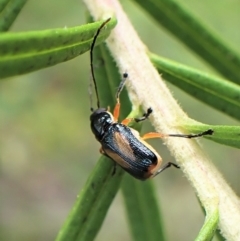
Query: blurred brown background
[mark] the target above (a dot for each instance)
(47, 149)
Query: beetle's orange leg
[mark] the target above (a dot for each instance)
(127, 121)
(144, 117)
(151, 135)
(116, 110)
(159, 135)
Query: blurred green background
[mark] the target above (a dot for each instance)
(47, 149)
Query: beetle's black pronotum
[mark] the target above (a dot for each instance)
(123, 144)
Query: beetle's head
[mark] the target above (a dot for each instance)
(100, 119)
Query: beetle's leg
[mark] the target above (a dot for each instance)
(116, 110)
(144, 117)
(151, 135)
(204, 133)
(159, 135)
(167, 165)
(127, 121)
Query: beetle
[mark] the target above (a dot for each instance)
(123, 144)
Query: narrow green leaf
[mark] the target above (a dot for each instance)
(213, 215)
(195, 35)
(92, 203)
(142, 209)
(3, 4)
(227, 135)
(25, 52)
(9, 10)
(219, 93)
(209, 227)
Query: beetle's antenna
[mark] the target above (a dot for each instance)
(90, 94)
(121, 85)
(91, 61)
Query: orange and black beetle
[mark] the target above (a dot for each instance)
(123, 144)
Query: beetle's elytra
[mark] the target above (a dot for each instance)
(123, 144)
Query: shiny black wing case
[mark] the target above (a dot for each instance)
(122, 146)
